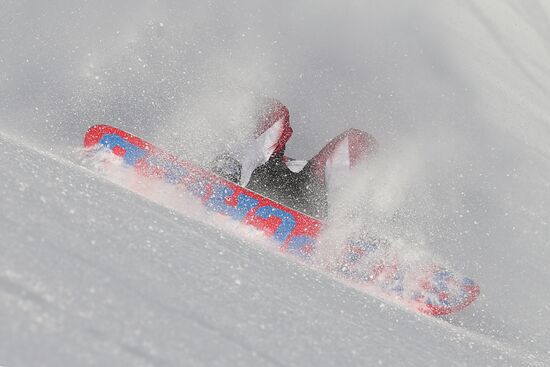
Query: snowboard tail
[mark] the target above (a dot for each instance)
(436, 291)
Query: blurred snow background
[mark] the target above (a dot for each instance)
(455, 92)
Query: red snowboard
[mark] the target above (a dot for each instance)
(433, 290)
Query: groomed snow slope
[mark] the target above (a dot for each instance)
(456, 92)
(93, 274)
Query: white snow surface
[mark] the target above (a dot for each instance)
(456, 92)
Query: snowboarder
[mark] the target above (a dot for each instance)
(302, 185)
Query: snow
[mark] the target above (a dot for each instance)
(94, 274)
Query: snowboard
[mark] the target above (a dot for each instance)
(432, 290)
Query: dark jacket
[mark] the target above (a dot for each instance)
(302, 191)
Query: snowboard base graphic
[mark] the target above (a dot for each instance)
(432, 290)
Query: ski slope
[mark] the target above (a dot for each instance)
(94, 274)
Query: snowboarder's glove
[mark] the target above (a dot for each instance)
(227, 167)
